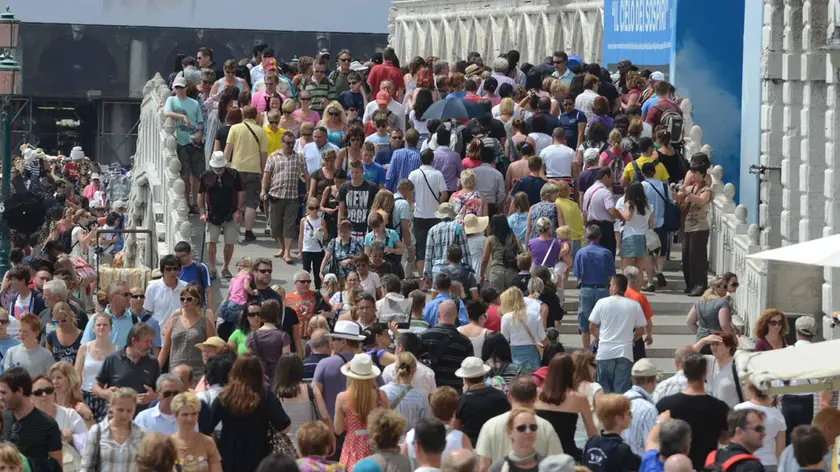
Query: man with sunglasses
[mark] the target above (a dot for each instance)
(341, 75)
(121, 318)
(271, 81)
(280, 182)
(163, 296)
(320, 87)
(561, 68)
(160, 418)
(35, 433)
(353, 96)
(384, 155)
(138, 314)
(746, 431)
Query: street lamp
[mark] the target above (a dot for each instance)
(9, 69)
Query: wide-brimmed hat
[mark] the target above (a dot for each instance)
(472, 368)
(213, 342)
(347, 330)
(445, 210)
(472, 69)
(360, 367)
(357, 66)
(218, 159)
(475, 224)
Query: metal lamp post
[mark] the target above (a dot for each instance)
(9, 68)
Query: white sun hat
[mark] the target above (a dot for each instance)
(360, 367)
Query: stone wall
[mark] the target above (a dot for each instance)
(536, 28)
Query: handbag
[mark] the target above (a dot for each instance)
(652, 241)
(539, 346)
(280, 443)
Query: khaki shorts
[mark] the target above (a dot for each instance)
(230, 229)
(283, 214)
(252, 183)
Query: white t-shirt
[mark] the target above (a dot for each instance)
(558, 160)
(774, 423)
(638, 224)
(313, 234)
(494, 440)
(340, 297)
(617, 317)
(542, 141)
(515, 331)
(425, 203)
(371, 284)
(312, 155)
(720, 383)
(162, 301)
(77, 249)
(497, 110)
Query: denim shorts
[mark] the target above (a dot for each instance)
(634, 246)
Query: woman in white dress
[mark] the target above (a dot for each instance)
(89, 361)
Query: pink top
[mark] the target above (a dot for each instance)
(258, 100)
(89, 191)
(313, 117)
(236, 292)
(470, 163)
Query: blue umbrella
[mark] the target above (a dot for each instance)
(454, 108)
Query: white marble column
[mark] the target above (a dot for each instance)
(792, 89)
(772, 117)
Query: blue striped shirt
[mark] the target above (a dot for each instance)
(403, 161)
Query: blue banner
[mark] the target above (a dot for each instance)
(639, 30)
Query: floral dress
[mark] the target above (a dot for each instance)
(356, 442)
(465, 203)
(546, 209)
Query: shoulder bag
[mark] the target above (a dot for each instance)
(539, 346)
(437, 197)
(400, 397)
(672, 212)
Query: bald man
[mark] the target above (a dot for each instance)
(444, 347)
(459, 460)
(678, 463)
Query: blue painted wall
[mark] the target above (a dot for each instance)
(639, 30)
(707, 67)
(751, 107)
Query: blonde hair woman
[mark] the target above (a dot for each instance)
(383, 203)
(468, 201)
(11, 460)
(287, 121)
(335, 120)
(353, 406)
(506, 109)
(68, 390)
(711, 312)
(584, 382)
(196, 451)
(406, 400)
(113, 443)
(64, 341)
(523, 328)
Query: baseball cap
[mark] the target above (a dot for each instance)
(94, 176)
(806, 325)
(657, 76)
(644, 368)
(323, 52)
(383, 97)
(179, 82)
(590, 155)
(269, 63)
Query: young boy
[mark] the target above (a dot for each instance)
(381, 137)
(417, 324)
(607, 452)
(809, 447)
(523, 263)
(459, 272)
(378, 264)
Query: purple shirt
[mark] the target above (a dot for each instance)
(448, 162)
(328, 373)
(538, 248)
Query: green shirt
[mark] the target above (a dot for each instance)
(239, 338)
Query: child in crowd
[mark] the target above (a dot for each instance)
(564, 259)
(456, 291)
(607, 452)
(381, 136)
(491, 298)
(523, 263)
(311, 241)
(240, 287)
(330, 286)
(378, 264)
(418, 300)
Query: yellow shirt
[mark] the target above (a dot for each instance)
(247, 149)
(275, 138)
(661, 172)
(572, 216)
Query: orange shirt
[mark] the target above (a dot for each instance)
(304, 306)
(634, 295)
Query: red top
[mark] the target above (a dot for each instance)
(634, 295)
(654, 114)
(384, 71)
(494, 321)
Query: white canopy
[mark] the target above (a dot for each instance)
(816, 363)
(823, 252)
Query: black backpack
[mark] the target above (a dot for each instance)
(510, 252)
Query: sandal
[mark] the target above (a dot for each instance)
(213, 274)
(226, 274)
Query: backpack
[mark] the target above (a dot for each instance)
(616, 165)
(672, 121)
(510, 252)
(712, 465)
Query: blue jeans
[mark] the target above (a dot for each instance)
(589, 296)
(614, 374)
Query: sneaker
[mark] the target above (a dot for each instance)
(649, 288)
(268, 231)
(660, 279)
(250, 236)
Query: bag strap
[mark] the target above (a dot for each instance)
(252, 133)
(316, 414)
(737, 382)
(637, 169)
(736, 459)
(437, 197)
(400, 397)
(548, 252)
(528, 330)
(312, 228)
(661, 195)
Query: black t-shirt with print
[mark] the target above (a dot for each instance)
(35, 435)
(357, 203)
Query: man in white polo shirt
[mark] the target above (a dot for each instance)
(163, 296)
(558, 158)
(429, 192)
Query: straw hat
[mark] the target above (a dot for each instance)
(475, 224)
(445, 211)
(360, 367)
(213, 342)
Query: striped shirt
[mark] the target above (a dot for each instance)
(413, 406)
(674, 384)
(113, 457)
(449, 360)
(643, 415)
(325, 89)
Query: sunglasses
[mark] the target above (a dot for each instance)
(253, 314)
(775, 322)
(264, 271)
(734, 284)
(60, 321)
(758, 429)
(43, 391)
(524, 427)
(187, 299)
(124, 294)
(138, 296)
(274, 122)
(207, 82)
(344, 59)
(171, 269)
(335, 113)
(305, 99)
(304, 281)
(290, 143)
(169, 393)
(354, 82)
(5, 322)
(306, 135)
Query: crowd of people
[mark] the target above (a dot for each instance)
(422, 331)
